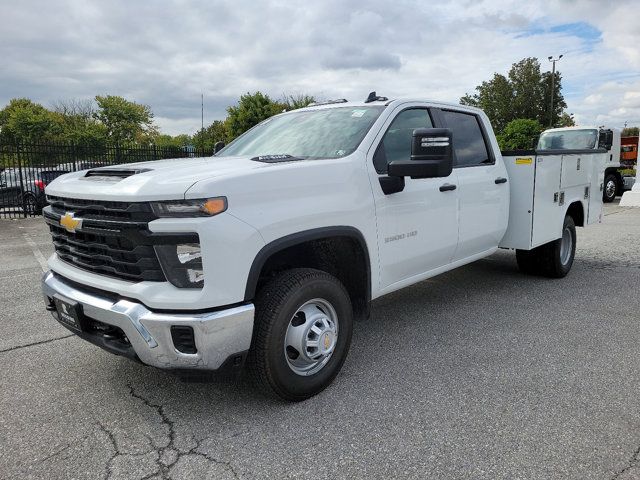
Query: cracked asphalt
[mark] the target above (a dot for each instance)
(480, 373)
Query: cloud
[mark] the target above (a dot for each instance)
(166, 54)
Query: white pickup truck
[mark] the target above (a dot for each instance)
(266, 251)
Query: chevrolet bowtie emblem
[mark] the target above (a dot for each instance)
(70, 223)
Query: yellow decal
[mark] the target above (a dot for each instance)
(70, 223)
(524, 161)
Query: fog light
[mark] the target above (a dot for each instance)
(182, 264)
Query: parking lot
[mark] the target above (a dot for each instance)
(478, 373)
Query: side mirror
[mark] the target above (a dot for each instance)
(605, 139)
(431, 155)
(217, 147)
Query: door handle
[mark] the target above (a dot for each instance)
(501, 180)
(447, 187)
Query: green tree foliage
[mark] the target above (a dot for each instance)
(125, 121)
(27, 122)
(207, 138)
(77, 122)
(292, 102)
(630, 131)
(566, 120)
(519, 134)
(113, 119)
(179, 141)
(250, 110)
(523, 93)
(495, 97)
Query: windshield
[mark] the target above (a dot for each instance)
(325, 133)
(568, 140)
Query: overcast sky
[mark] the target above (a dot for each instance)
(165, 53)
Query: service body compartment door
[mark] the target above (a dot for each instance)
(547, 224)
(521, 168)
(575, 170)
(598, 165)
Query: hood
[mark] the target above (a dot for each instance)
(144, 181)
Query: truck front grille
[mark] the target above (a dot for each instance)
(113, 239)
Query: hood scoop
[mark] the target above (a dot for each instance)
(114, 173)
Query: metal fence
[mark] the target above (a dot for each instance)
(25, 170)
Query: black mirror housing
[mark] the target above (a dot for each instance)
(431, 155)
(605, 139)
(217, 147)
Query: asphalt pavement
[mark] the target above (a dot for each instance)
(480, 373)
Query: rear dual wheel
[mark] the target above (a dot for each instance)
(302, 333)
(553, 259)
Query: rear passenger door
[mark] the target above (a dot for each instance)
(483, 189)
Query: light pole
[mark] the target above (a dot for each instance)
(553, 86)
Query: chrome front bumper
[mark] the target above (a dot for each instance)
(221, 337)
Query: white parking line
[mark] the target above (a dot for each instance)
(36, 253)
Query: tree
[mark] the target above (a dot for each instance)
(630, 131)
(251, 110)
(293, 102)
(77, 122)
(167, 141)
(519, 134)
(566, 120)
(523, 93)
(495, 98)
(125, 121)
(24, 121)
(207, 138)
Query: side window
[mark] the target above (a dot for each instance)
(468, 141)
(396, 143)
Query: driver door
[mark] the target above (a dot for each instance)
(417, 227)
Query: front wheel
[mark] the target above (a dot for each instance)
(302, 333)
(610, 188)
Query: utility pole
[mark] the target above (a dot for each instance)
(202, 109)
(553, 87)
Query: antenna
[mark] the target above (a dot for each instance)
(375, 98)
(202, 109)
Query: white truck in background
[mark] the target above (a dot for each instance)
(591, 138)
(266, 251)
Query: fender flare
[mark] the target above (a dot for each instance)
(301, 237)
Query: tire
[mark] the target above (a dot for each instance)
(30, 205)
(556, 259)
(610, 188)
(553, 259)
(274, 365)
(527, 261)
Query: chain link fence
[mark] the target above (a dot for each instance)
(26, 169)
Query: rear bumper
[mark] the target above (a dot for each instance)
(128, 328)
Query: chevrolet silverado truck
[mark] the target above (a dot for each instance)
(264, 253)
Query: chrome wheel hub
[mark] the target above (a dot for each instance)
(311, 338)
(610, 188)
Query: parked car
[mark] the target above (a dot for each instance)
(24, 188)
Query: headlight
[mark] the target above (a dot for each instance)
(182, 264)
(203, 207)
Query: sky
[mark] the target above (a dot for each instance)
(167, 53)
